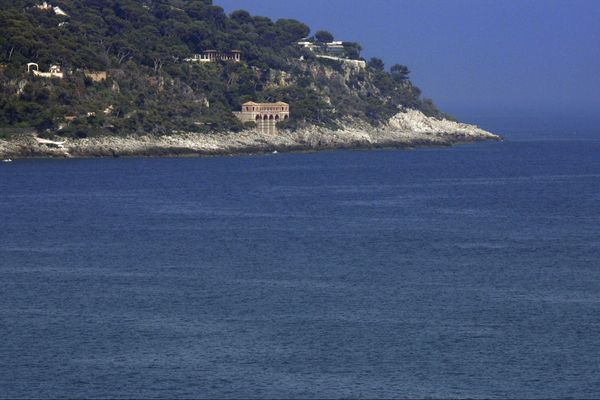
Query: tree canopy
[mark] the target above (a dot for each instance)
(399, 72)
(142, 45)
(376, 63)
(323, 37)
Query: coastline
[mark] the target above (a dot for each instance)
(409, 129)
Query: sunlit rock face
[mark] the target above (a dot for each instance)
(406, 129)
(414, 121)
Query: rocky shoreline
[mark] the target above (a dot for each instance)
(407, 129)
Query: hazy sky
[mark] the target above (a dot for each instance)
(469, 54)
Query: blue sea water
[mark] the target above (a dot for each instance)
(466, 272)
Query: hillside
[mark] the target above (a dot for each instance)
(127, 68)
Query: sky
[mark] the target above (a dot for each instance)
(470, 55)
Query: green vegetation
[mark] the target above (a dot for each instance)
(323, 37)
(151, 89)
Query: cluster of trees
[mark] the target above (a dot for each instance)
(102, 33)
(143, 43)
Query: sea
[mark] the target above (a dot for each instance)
(465, 272)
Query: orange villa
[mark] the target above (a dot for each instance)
(252, 111)
(265, 115)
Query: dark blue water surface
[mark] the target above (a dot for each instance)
(465, 272)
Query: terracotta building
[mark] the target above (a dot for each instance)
(265, 115)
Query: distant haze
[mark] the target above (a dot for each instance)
(470, 56)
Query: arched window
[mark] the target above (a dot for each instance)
(257, 117)
(271, 117)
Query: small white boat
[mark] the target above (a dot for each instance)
(7, 160)
(275, 152)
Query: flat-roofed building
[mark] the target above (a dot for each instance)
(208, 56)
(53, 72)
(265, 115)
(334, 48)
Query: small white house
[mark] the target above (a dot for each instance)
(54, 72)
(336, 47)
(59, 11)
(208, 56)
(45, 6)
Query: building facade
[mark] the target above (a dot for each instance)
(335, 48)
(54, 71)
(49, 7)
(215, 56)
(265, 115)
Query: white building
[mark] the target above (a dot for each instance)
(215, 55)
(45, 6)
(54, 72)
(334, 48)
(59, 11)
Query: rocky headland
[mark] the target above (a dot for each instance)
(407, 129)
(181, 91)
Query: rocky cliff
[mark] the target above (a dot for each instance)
(407, 129)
